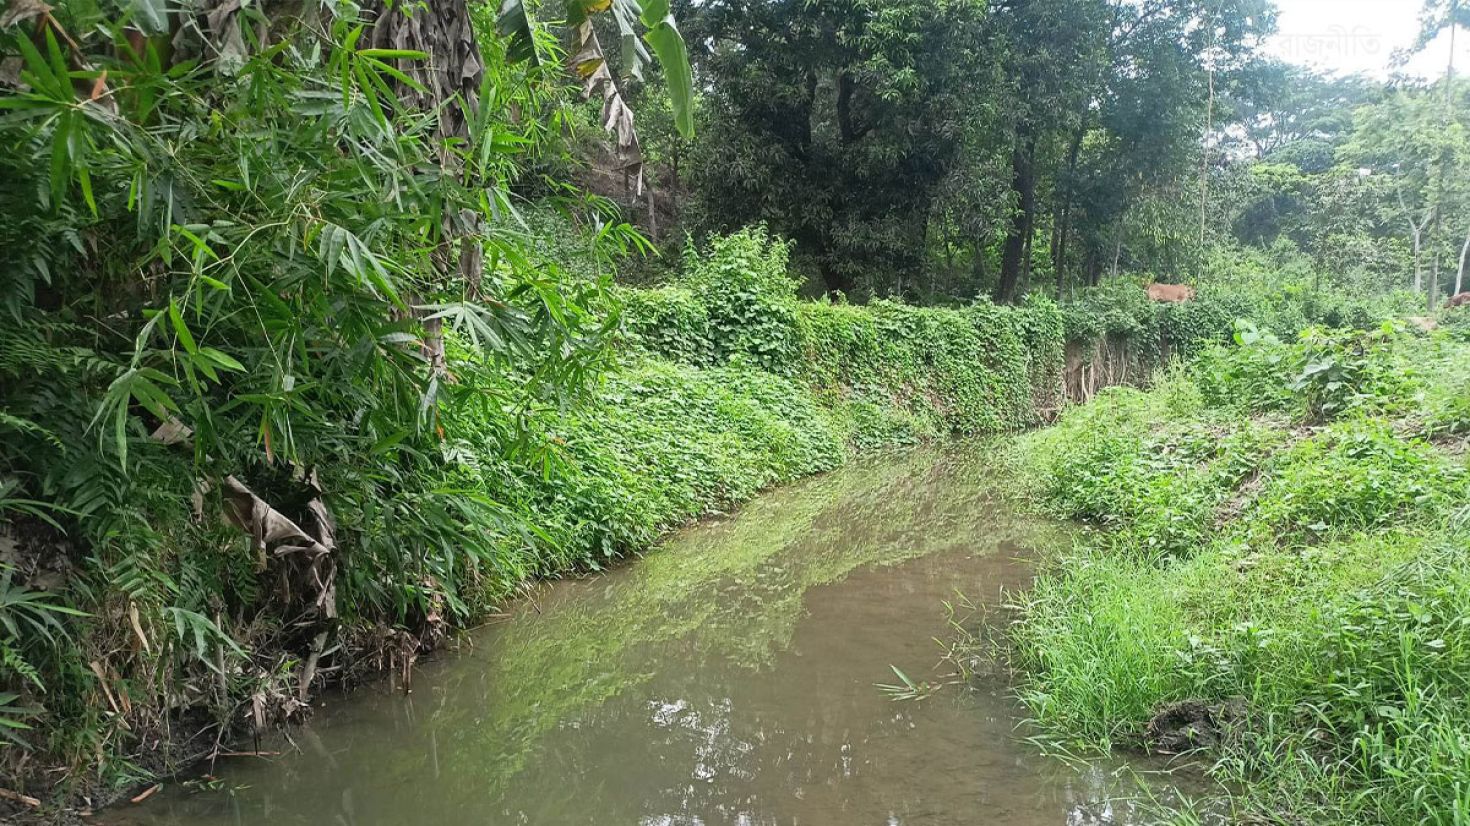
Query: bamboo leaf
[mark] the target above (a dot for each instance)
(221, 360)
(176, 318)
(400, 54)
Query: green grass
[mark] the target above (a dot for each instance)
(1314, 566)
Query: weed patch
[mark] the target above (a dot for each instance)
(1274, 537)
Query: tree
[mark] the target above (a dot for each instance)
(1404, 140)
(1056, 57)
(1133, 74)
(1437, 17)
(1282, 107)
(833, 122)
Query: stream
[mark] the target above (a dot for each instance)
(729, 677)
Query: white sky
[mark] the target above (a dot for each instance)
(1348, 36)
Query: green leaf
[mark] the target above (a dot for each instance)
(85, 179)
(176, 318)
(514, 22)
(194, 362)
(397, 75)
(60, 166)
(221, 360)
(654, 11)
(151, 15)
(672, 52)
(58, 57)
(38, 72)
(408, 54)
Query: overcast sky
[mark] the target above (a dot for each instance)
(1347, 36)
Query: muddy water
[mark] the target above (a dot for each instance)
(727, 678)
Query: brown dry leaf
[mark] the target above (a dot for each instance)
(138, 626)
(173, 431)
(7, 794)
(106, 692)
(20, 11)
(590, 64)
(270, 529)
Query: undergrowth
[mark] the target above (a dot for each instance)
(1278, 542)
(130, 608)
(142, 627)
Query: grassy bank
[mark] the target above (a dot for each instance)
(1277, 574)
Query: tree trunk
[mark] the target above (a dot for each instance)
(1204, 164)
(1433, 293)
(1028, 255)
(1418, 260)
(652, 214)
(1416, 234)
(1059, 257)
(1460, 272)
(1060, 262)
(977, 266)
(447, 82)
(1023, 183)
(1445, 160)
(1056, 239)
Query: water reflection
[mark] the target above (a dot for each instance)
(727, 679)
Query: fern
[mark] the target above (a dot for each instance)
(26, 613)
(12, 659)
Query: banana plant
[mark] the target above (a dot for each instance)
(589, 62)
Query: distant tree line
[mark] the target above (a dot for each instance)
(941, 150)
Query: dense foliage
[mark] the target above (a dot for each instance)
(132, 608)
(237, 244)
(311, 350)
(1278, 574)
(938, 152)
(942, 150)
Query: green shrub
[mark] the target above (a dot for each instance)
(1321, 375)
(749, 297)
(1116, 308)
(1313, 578)
(1447, 400)
(1118, 462)
(1252, 376)
(1456, 323)
(1354, 476)
(1343, 370)
(670, 321)
(1195, 325)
